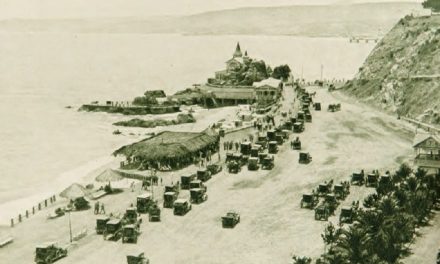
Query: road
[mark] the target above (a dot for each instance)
(273, 226)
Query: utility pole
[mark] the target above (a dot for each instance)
(70, 228)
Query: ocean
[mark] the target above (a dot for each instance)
(46, 145)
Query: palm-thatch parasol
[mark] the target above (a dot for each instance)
(109, 175)
(74, 191)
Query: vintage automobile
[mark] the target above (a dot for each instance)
(317, 106)
(137, 258)
(185, 180)
(279, 138)
(358, 178)
(308, 117)
(245, 148)
(214, 168)
(309, 201)
(230, 220)
(203, 175)
(301, 116)
(262, 141)
(255, 150)
(198, 195)
(253, 164)
(172, 188)
(341, 190)
(261, 157)
(347, 215)
(296, 144)
(49, 253)
(181, 207)
(273, 147)
(372, 180)
(268, 163)
(197, 184)
(130, 233)
(331, 202)
(80, 203)
(325, 188)
(143, 202)
(131, 216)
(298, 127)
(233, 167)
(304, 158)
(113, 230)
(271, 135)
(154, 213)
(101, 223)
(322, 212)
(169, 198)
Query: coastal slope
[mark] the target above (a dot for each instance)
(402, 73)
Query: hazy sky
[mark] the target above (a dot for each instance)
(123, 8)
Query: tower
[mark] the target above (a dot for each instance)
(237, 53)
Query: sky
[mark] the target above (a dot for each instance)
(43, 9)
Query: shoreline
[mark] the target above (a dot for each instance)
(86, 173)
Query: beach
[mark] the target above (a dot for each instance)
(52, 146)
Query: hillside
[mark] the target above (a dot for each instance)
(402, 73)
(313, 20)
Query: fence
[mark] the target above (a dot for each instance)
(28, 213)
(427, 127)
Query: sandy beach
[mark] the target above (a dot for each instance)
(273, 226)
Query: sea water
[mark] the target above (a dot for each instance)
(46, 145)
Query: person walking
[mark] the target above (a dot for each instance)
(102, 208)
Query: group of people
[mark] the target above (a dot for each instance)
(99, 208)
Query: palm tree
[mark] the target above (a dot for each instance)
(352, 244)
(330, 235)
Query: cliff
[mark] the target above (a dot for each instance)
(402, 73)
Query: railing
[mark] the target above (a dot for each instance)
(428, 157)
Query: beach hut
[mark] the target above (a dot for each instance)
(170, 150)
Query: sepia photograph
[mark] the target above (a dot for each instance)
(220, 131)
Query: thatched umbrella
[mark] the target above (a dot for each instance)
(109, 175)
(74, 191)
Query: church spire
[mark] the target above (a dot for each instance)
(237, 52)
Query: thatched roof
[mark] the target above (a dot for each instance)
(109, 175)
(168, 144)
(74, 191)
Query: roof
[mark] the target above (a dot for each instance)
(144, 195)
(102, 217)
(169, 193)
(237, 59)
(74, 191)
(271, 82)
(114, 222)
(196, 181)
(47, 244)
(181, 200)
(109, 175)
(233, 93)
(169, 144)
(422, 137)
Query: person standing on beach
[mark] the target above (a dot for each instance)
(102, 208)
(97, 208)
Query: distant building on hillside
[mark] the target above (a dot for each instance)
(427, 148)
(233, 66)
